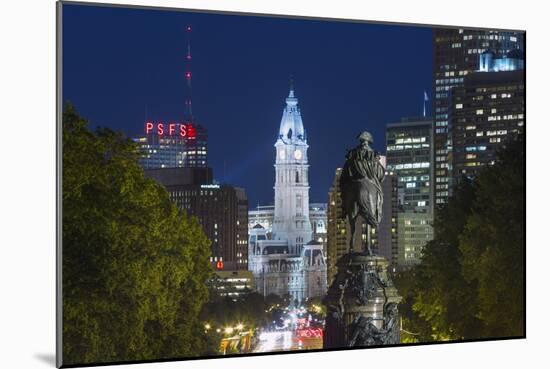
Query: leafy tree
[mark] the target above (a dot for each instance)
(134, 267)
(248, 310)
(492, 244)
(470, 281)
(443, 297)
(415, 329)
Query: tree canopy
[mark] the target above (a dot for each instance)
(470, 282)
(134, 267)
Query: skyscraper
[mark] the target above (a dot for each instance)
(173, 145)
(222, 211)
(487, 112)
(289, 261)
(456, 55)
(409, 146)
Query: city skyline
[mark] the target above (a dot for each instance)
(360, 76)
(309, 199)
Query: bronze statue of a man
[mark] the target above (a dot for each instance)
(361, 186)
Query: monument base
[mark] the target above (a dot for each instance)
(361, 304)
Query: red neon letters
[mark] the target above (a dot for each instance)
(171, 129)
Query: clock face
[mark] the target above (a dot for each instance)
(282, 154)
(297, 154)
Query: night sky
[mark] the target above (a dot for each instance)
(122, 67)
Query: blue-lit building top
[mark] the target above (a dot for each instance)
(491, 62)
(457, 54)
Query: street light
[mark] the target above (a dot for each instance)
(228, 330)
(240, 326)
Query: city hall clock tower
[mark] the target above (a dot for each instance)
(291, 219)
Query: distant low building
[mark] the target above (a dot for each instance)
(263, 215)
(232, 283)
(278, 271)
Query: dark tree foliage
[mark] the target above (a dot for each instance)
(470, 283)
(248, 310)
(492, 245)
(272, 300)
(134, 267)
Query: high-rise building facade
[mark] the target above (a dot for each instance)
(488, 111)
(222, 211)
(409, 154)
(173, 145)
(289, 261)
(456, 55)
(385, 238)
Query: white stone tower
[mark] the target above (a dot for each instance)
(291, 219)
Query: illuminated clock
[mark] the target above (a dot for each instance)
(297, 154)
(282, 154)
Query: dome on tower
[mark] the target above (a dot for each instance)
(292, 129)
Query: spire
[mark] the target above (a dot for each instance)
(291, 100)
(292, 128)
(188, 114)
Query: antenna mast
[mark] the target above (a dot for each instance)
(188, 115)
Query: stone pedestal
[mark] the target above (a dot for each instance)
(361, 304)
